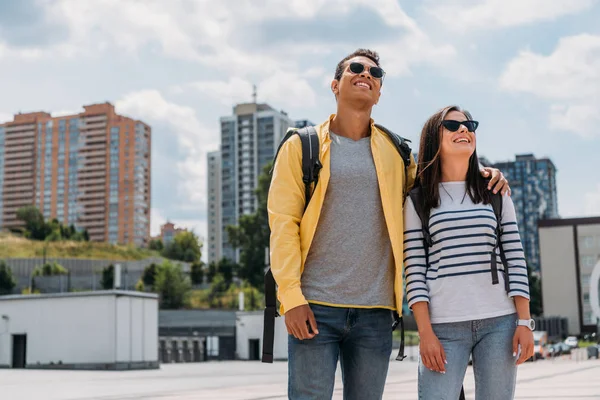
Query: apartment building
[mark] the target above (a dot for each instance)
(91, 170)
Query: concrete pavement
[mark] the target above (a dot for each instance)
(237, 380)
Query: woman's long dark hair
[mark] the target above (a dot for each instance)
(429, 169)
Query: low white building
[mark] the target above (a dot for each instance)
(89, 330)
(570, 269)
(249, 333)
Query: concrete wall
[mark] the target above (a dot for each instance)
(249, 325)
(91, 330)
(559, 280)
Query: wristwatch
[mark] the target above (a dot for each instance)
(530, 323)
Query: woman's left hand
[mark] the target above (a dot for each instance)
(524, 337)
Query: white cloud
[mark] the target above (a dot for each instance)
(582, 119)
(592, 202)
(5, 117)
(413, 48)
(491, 14)
(192, 139)
(284, 89)
(206, 32)
(569, 78)
(235, 90)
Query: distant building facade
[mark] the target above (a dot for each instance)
(91, 170)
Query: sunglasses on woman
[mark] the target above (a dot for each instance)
(453, 126)
(358, 68)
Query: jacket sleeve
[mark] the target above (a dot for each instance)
(411, 175)
(285, 206)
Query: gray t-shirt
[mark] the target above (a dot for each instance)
(350, 261)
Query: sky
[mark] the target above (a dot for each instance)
(528, 70)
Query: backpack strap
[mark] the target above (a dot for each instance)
(497, 207)
(403, 149)
(311, 166)
(269, 317)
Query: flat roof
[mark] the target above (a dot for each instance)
(548, 223)
(117, 293)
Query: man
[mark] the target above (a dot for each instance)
(338, 264)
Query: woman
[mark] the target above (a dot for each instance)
(466, 302)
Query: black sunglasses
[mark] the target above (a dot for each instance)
(453, 126)
(376, 72)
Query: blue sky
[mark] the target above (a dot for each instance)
(528, 70)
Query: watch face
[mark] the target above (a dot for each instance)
(532, 324)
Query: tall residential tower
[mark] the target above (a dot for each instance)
(91, 170)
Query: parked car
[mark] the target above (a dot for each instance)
(572, 342)
(559, 349)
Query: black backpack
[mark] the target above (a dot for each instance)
(311, 165)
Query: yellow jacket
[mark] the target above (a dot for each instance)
(293, 229)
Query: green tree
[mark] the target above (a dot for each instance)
(197, 273)
(173, 286)
(149, 275)
(227, 268)
(212, 271)
(186, 246)
(50, 269)
(139, 286)
(251, 235)
(7, 280)
(156, 244)
(216, 292)
(35, 226)
(86, 235)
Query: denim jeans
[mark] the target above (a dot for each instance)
(489, 342)
(362, 341)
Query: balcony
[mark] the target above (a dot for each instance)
(95, 182)
(97, 230)
(92, 195)
(13, 142)
(23, 195)
(82, 177)
(13, 147)
(92, 220)
(27, 164)
(28, 129)
(91, 203)
(19, 182)
(17, 175)
(86, 155)
(92, 167)
(18, 188)
(23, 156)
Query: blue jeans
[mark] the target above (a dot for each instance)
(489, 342)
(360, 338)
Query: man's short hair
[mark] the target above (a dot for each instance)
(370, 54)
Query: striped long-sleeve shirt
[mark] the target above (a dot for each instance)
(457, 283)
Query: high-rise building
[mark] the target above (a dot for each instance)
(249, 139)
(91, 170)
(533, 184)
(214, 207)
